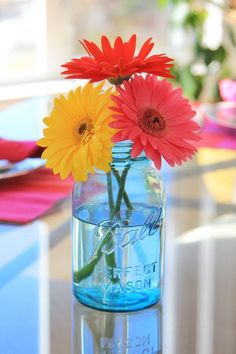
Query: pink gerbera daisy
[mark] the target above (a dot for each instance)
(156, 118)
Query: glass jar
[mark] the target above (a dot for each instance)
(118, 235)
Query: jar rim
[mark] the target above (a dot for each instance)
(121, 151)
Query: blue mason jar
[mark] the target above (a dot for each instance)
(118, 235)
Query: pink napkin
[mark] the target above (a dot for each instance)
(216, 136)
(25, 198)
(15, 151)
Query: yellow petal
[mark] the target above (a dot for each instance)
(65, 152)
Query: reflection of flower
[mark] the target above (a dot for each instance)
(228, 90)
(156, 118)
(118, 63)
(77, 137)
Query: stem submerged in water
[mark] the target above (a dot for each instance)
(110, 192)
(121, 190)
(125, 195)
(88, 269)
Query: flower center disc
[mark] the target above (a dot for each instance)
(151, 121)
(84, 130)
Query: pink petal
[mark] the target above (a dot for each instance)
(164, 149)
(179, 115)
(118, 137)
(156, 158)
(144, 138)
(116, 109)
(137, 148)
(135, 133)
(171, 101)
(141, 92)
(120, 124)
(129, 113)
(180, 142)
(187, 135)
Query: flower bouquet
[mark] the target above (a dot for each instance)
(112, 140)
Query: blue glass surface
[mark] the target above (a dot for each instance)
(22, 279)
(19, 316)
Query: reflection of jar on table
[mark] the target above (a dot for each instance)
(104, 332)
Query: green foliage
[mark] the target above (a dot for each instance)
(195, 18)
(209, 55)
(163, 3)
(190, 83)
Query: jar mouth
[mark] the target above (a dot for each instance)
(121, 152)
(122, 144)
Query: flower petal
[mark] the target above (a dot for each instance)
(158, 122)
(137, 148)
(70, 149)
(116, 63)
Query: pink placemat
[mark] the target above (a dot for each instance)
(216, 136)
(15, 151)
(25, 198)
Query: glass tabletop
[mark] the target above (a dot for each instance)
(38, 314)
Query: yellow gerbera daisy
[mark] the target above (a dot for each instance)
(78, 136)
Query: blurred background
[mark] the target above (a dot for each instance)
(37, 36)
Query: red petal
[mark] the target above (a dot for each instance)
(106, 47)
(118, 47)
(92, 49)
(130, 48)
(146, 49)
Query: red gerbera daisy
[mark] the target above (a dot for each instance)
(118, 63)
(156, 118)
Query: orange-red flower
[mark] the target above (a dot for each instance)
(118, 63)
(156, 118)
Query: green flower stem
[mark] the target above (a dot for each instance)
(110, 258)
(88, 269)
(111, 262)
(125, 195)
(109, 189)
(121, 190)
